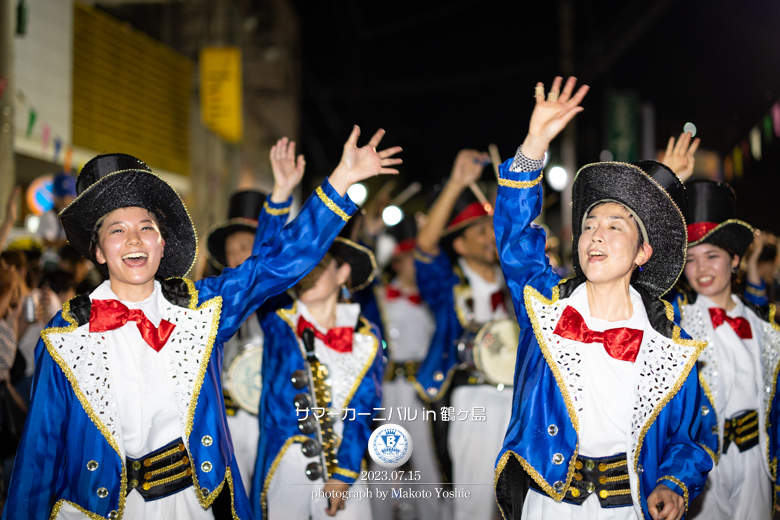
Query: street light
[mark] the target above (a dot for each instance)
(557, 178)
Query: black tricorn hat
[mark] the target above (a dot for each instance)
(655, 196)
(711, 210)
(360, 258)
(112, 181)
(467, 211)
(243, 210)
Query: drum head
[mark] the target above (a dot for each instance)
(495, 351)
(245, 380)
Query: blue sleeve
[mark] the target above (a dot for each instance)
(270, 222)
(685, 463)
(357, 430)
(521, 242)
(280, 262)
(756, 294)
(435, 279)
(40, 458)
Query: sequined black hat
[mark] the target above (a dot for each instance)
(360, 258)
(655, 196)
(113, 181)
(243, 210)
(711, 210)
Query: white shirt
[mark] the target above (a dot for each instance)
(410, 327)
(609, 384)
(146, 400)
(739, 362)
(482, 292)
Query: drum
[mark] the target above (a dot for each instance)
(495, 351)
(245, 380)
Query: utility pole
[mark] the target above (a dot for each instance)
(7, 165)
(568, 144)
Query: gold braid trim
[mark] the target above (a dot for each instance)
(422, 257)
(275, 211)
(331, 205)
(520, 184)
(708, 393)
(679, 483)
(365, 329)
(56, 510)
(347, 473)
(767, 420)
(272, 470)
(756, 292)
(538, 478)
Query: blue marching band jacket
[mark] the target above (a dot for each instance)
(71, 449)
(542, 438)
(283, 354)
(763, 322)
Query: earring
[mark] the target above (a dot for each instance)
(345, 294)
(640, 269)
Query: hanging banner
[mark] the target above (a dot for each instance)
(221, 92)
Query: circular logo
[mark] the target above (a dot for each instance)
(390, 446)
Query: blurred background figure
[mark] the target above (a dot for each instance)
(49, 229)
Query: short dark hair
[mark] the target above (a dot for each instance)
(59, 281)
(640, 240)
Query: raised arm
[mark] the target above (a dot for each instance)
(467, 169)
(282, 261)
(520, 242)
(756, 288)
(11, 213)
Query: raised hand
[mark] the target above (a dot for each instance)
(551, 115)
(287, 169)
(358, 164)
(468, 167)
(11, 208)
(679, 156)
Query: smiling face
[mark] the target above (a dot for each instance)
(478, 243)
(708, 270)
(608, 247)
(131, 246)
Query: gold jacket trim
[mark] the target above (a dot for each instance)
(520, 184)
(679, 483)
(331, 205)
(272, 470)
(275, 211)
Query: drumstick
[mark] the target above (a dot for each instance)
(385, 190)
(495, 158)
(407, 194)
(479, 195)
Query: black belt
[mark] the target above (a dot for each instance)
(607, 477)
(160, 473)
(402, 370)
(742, 430)
(230, 407)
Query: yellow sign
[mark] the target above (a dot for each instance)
(221, 92)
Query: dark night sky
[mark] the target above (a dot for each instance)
(440, 76)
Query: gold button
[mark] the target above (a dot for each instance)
(185, 460)
(148, 462)
(438, 376)
(590, 465)
(136, 465)
(578, 464)
(591, 487)
(147, 476)
(92, 465)
(205, 491)
(602, 480)
(147, 486)
(602, 467)
(207, 440)
(732, 437)
(188, 471)
(102, 492)
(603, 493)
(206, 466)
(577, 476)
(181, 446)
(133, 484)
(575, 492)
(112, 515)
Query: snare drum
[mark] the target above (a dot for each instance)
(245, 380)
(495, 351)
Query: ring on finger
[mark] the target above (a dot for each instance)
(552, 96)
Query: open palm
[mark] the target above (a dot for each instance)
(550, 116)
(358, 164)
(287, 169)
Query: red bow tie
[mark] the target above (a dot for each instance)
(497, 300)
(740, 325)
(393, 293)
(111, 314)
(337, 338)
(621, 343)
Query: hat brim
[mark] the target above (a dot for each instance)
(732, 235)
(135, 188)
(465, 223)
(629, 185)
(218, 236)
(360, 259)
